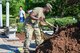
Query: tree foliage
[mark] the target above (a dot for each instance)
(14, 6)
(61, 8)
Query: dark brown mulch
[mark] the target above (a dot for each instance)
(21, 36)
(66, 41)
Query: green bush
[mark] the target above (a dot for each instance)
(12, 20)
(59, 21)
(62, 21)
(19, 27)
(78, 17)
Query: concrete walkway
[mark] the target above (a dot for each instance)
(13, 46)
(9, 46)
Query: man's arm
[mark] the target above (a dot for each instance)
(32, 15)
(24, 14)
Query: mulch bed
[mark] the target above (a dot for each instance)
(65, 41)
(21, 36)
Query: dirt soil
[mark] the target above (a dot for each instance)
(21, 36)
(67, 40)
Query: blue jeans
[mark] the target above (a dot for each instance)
(21, 19)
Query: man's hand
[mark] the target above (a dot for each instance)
(41, 19)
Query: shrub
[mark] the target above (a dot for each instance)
(62, 21)
(19, 27)
(12, 20)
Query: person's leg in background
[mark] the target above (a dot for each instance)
(21, 19)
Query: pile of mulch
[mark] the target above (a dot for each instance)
(21, 36)
(67, 40)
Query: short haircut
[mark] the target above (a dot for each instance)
(20, 6)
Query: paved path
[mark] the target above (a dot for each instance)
(12, 46)
(9, 46)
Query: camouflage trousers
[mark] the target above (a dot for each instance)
(29, 33)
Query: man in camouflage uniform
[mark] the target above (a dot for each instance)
(32, 24)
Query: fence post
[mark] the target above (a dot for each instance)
(1, 23)
(7, 13)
